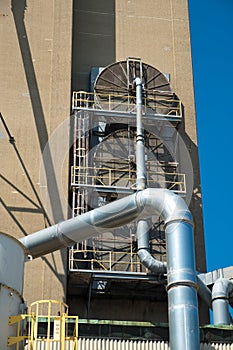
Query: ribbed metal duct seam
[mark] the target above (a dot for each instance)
(114, 344)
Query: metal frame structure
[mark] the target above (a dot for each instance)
(104, 178)
(169, 106)
(104, 122)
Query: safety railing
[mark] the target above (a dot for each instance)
(156, 102)
(116, 178)
(105, 260)
(46, 326)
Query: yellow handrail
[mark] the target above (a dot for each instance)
(107, 261)
(103, 176)
(157, 100)
(57, 335)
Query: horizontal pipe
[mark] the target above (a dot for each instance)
(118, 213)
(82, 227)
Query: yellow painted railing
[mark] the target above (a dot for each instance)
(158, 102)
(115, 177)
(56, 335)
(104, 260)
(18, 338)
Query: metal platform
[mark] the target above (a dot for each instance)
(164, 108)
(117, 284)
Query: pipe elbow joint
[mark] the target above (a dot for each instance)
(222, 289)
(158, 267)
(164, 203)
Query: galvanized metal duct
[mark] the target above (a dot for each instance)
(204, 292)
(221, 291)
(182, 286)
(144, 254)
(142, 226)
(160, 267)
(140, 151)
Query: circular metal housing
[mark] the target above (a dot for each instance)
(116, 82)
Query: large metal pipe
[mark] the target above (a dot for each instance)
(182, 286)
(142, 226)
(160, 267)
(82, 227)
(222, 289)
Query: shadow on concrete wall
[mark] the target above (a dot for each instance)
(39, 208)
(18, 9)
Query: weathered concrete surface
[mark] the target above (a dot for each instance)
(35, 67)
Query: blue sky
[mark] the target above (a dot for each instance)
(212, 50)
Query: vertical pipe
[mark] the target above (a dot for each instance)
(204, 292)
(220, 301)
(143, 227)
(140, 152)
(182, 287)
(182, 284)
(144, 250)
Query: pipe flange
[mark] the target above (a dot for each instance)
(219, 297)
(173, 221)
(181, 283)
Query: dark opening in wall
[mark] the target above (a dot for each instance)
(93, 39)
